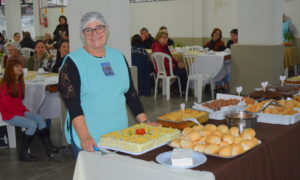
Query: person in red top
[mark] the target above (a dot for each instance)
(15, 113)
(161, 45)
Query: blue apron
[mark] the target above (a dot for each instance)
(103, 84)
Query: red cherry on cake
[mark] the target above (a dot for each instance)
(140, 131)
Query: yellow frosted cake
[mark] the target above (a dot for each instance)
(138, 138)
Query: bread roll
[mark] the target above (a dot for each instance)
(255, 141)
(186, 130)
(175, 143)
(199, 148)
(218, 133)
(211, 127)
(202, 140)
(186, 144)
(234, 131)
(193, 135)
(197, 128)
(248, 134)
(211, 149)
(213, 139)
(205, 132)
(223, 128)
(225, 151)
(223, 144)
(237, 140)
(247, 144)
(236, 149)
(228, 138)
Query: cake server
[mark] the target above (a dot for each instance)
(193, 120)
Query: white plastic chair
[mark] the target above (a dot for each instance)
(158, 60)
(11, 133)
(200, 79)
(26, 52)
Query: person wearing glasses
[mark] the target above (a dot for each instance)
(95, 84)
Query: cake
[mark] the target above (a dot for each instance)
(182, 157)
(293, 80)
(138, 138)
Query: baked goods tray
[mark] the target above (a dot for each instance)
(278, 119)
(131, 153)
(230, 157)
(219, 115)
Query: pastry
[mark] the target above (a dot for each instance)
(234, 131)
(223, 128)
(236, 149)
(225, 151)
(213, 139)
(211, 149)
(199, 148)
(228, 138)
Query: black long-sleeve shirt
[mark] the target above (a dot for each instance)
(69, 88)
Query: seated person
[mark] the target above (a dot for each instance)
(40, 59)
(13, 112)
(147, 38)
(170, 41)
(13, 50)
(160, 45)
(27, 41)
(63, 50)
(140, 59)
(216, 43)
(233, 38)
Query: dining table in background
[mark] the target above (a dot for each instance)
(290, 59)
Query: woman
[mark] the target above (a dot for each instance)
(140, 59)
(27, 41)
(62, 29)
(161, 45)
(15, 113)
(63, 50)
(95, 83)
(216, 43)
(170, 41)
(13, 52)
(40, 59)
(233, 38)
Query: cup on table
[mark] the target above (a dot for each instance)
(25, 72)
(40, 71)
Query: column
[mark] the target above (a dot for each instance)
(116, 14)
(13, 17)
(259, 54)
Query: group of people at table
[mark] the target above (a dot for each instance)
(95, 83)
(161, 43)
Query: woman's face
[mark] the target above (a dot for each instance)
(12, 51)
(217, 35)
(18, 69)
(64, 49)
(62, 21)
(95, 35)
(234, 37)
(163, 40)
(40, 48)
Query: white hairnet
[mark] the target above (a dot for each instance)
(91, 16)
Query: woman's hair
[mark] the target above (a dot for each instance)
(37, 42)
(234, 31)
(214, 31)
(162, 27)
(136, 40)
(17, 46)
(160, 34)
(91, 16)
(61, 42)
(63, 17)
(10, 80)
(26, 35)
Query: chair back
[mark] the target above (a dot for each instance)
(26, 52)
(188, 62)
(158, 60)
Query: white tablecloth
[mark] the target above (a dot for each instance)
(93, 166)
(211, 65)
(37, 100)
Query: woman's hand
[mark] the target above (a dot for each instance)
(142, 118)
(88, 143)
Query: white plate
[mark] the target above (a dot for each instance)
(128, 152)
(165, 159)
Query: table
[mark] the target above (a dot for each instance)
(37, 99)
(277, 158)
(94, 166)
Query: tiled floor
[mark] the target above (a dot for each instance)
(62, 167)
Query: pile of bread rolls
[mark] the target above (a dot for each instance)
(216, 140)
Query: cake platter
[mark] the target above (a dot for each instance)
(132, 153)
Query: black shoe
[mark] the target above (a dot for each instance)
(3, 144)
(24, 154)
(44, 135)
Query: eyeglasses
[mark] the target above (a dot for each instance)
(97, 29)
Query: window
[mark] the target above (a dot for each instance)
(53, 3)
